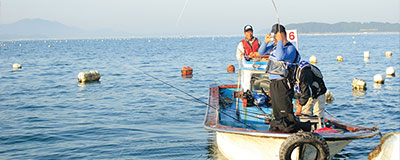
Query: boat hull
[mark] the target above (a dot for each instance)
(239, 147)
(244, 137)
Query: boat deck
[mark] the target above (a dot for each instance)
(221, 116)
(250, 115)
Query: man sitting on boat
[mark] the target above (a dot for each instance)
(247, 46)
(281, 88)
(311, 89)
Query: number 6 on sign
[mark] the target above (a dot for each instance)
(291, 35)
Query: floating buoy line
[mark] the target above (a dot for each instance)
(388, 53)
(366, 54)
(359, 84)
(390, 72)
(88, 76)
(16, 66)
(378, 79)
(313, 59)
(339, 58)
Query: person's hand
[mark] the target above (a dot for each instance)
(241, 56)
(298, 109)
(253, 54)
(298, 112)
(278, 36)
(268, 38)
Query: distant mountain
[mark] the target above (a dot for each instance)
(37, 28)
(314, 27)
(42, 29)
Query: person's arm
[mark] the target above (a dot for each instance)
(279, 54)
(239, 51)
(264, 47)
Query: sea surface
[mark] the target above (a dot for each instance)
(46, 114)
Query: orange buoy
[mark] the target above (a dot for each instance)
(187, 71)
(230, 68)
(187, 76)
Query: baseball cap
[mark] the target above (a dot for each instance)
(275, 28)
(248, 27)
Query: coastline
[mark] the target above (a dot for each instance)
(189, 36)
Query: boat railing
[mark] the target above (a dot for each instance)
(257, 63)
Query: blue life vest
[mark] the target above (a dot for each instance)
(282, 68)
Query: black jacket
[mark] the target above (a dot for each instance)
(310, 85)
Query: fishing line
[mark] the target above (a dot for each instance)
(190, 100)
(248, 113)
(197, 99)
(180, 16)
(168, 95)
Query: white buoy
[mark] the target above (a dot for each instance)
(388, 53)
(378, 78)
(16, 66)
(88, 76)
(388, 148)
(359, 84)
(313, 59)
(366, 54)
(328, 97)
(390, 71)
(48, 46)
(339, 58)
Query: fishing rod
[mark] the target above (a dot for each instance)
(197, 99)
(276, 12)
(180, 15)
(277, 16)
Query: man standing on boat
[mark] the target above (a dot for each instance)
(247, 46)
(311, 89)
(281, 86)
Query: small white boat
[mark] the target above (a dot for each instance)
(242, 131)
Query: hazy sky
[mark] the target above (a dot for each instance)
(199, 16)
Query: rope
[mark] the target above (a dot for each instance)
(237, 90)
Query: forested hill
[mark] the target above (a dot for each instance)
(314, 27)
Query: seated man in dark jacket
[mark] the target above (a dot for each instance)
(311, 89)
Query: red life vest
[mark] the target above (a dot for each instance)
(248, 48)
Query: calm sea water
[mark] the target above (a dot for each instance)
(46, 114)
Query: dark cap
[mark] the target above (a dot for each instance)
(275, 28)
(248, 27)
